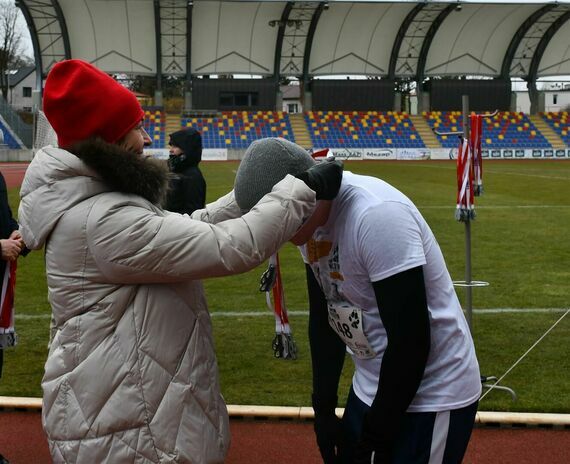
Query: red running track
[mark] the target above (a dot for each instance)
(22, 441)
(13, 173)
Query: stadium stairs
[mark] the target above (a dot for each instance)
(173, 124)
(425, 132)
(300, 132)
(548, 133)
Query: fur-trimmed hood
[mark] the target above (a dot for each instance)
(58, 179)
(124, 171)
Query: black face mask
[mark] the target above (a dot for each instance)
(175, 161)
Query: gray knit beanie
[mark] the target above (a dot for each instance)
(265, 163)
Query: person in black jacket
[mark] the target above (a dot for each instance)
(188, 187)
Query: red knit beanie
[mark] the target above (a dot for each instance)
(81, 101)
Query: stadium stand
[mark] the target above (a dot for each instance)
(154, 124)
(507, 129)
(9, 138)
(362, 129)
(355, 129)
(560, 123)
(237, 129)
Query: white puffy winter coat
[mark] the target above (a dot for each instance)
(131, 374)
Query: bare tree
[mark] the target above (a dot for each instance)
(11, 53)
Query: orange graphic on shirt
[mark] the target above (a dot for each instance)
(320, 249)
(336, 276)
(317, 250)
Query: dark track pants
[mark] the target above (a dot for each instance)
(424, 438)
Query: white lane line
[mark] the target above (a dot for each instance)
(306, 313)
(497, 207)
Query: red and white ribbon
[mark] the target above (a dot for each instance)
(476, 135)
(7, 332)
(464, 210)
(283, 344)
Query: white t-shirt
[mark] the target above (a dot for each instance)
(373, 232)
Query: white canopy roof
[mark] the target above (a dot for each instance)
(305, 39)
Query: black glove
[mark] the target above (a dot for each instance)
(324, 178)
(370, 443)
(327, 429)
(363, 454)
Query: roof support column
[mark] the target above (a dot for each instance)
(422, 58)
(158, 42)
(537, 57)
(277, 60)
(188, 83)
(306, 93)
(35, 44)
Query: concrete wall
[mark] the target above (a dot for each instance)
(15, 155)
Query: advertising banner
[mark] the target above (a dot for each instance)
(208, 154)
(443, 154)
(529, 153)
(158, 153)
(347, 153)
(413, 153)
(379, 154)
(214, 154)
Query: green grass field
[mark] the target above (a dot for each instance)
(520, 245)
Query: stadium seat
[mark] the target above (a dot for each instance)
(507, 129)
(154, 124)
(560, 123)
(362, 129)
(237, 129)
(9, 138)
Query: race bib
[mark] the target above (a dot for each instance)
(346, 321)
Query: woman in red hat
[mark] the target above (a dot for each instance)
(131, 374)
